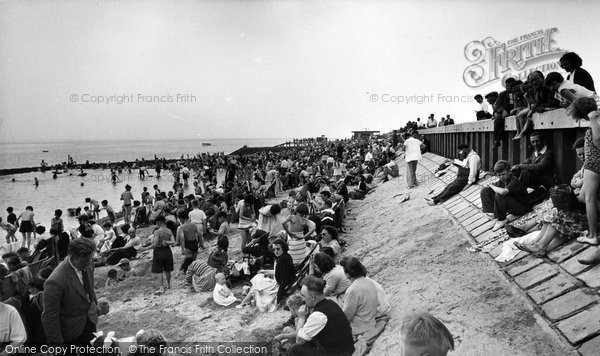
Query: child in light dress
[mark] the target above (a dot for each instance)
(221, 294)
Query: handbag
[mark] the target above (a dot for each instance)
(563, 197)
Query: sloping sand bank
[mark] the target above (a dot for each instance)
(418, 253)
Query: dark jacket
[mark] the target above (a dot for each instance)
(583, 78)
(542, 167)
(284, 274)
(544, 98)
(67, 306)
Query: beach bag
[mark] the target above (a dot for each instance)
(563, 197)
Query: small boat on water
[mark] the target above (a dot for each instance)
(206, 144)
(45, 151)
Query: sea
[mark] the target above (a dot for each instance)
(69, 190)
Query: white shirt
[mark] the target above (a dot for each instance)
(12, 329)
(391, 164)
(473, 161)
(577, 90)
(481, 107)
(314, 324)
(197, 216)
(78, 272)
(368, 156)
(413, 149)
(98, 232)
(541, 152)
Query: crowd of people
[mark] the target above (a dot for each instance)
(572, 213)
(537, 94)
(290, 250)
(431, 123)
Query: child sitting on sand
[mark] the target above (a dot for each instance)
(112, 278)
(222, 294)
(103, 245)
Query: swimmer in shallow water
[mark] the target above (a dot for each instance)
(36, 181)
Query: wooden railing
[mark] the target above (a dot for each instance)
(560, 132)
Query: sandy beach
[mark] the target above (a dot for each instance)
(417, 252)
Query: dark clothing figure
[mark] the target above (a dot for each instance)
(334, 339)
(426, 145)
(515, 202)
(544, 98)
(582, 77)
(538, 170)
(284, 274)
(483, 115)
(454, 187)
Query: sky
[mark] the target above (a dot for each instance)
(135, 70)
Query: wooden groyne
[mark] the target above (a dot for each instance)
(74, 168)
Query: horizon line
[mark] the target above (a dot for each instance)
(145, 140)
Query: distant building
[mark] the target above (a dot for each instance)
(363, 135)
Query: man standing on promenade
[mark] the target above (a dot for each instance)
(431, 122)
(413, 154)
(70, 307)
(326, 331)
(127, 198)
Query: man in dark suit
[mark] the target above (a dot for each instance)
(70, 307)
(538, 169)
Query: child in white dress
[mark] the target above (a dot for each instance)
(221, 294)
